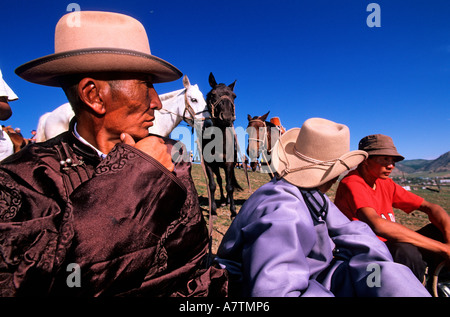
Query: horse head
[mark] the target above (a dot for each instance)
(195, 104)
(220, 101)
(257, 137)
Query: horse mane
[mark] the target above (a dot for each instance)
(172, 94)
(270, 124)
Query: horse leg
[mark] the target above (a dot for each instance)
(229, 171)
(219, 183)
(212, 189)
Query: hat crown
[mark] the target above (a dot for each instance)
(94, 42)
(91, 29)
(315, 154)
(376, 142)
(323, 140)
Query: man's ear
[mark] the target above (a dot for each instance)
(90, 92)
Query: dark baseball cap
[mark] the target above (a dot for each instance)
(379, 144)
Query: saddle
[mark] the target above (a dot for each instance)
(18, 140)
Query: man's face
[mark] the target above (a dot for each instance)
(130, 107)
(380, 166)
(5, 109)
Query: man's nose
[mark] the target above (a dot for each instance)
(155, 102)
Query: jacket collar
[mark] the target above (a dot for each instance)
(79, 147)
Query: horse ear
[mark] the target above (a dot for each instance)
(264, 117)
(249, 117)
(232, 85)
(186, 82)
(212, 81)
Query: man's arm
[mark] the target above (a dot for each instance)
(439, 217)
(396, 232)
(361, 250)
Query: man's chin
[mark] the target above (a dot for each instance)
(139, 135)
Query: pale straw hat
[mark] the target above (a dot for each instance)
(90, 42)
(315, 154)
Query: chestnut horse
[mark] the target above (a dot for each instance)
(262, 136)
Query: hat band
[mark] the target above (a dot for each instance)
(311, 160)
(314, 162)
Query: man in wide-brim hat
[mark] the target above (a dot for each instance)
(289, 239)
(104, 201)
(370, 195)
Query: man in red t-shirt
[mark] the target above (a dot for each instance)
(369, 195)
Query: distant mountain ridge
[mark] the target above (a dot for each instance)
(439, 165)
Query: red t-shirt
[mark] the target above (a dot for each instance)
(353, 193)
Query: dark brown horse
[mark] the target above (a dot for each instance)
(219, 143)
(262, 136)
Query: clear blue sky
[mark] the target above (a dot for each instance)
(296, 58)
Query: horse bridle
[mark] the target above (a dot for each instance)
(219, 100)
(188, 108)
(264, 139)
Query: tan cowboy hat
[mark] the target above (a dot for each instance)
(316, 153)
(91, 42)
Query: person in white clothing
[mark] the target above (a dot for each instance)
(6, 95)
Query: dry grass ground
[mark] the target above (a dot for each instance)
(222, 221)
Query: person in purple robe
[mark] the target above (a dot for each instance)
(290, 240)
(103, 209)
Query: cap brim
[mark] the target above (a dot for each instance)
(395, 155)
(49, 70)
(313, 175)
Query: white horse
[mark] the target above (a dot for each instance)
(186, 104)
(53, 123)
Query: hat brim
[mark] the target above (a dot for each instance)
(388, 152)
(313, 175)
(49, 70)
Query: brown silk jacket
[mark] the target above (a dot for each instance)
(132, 227)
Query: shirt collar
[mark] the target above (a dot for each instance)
(79, 137)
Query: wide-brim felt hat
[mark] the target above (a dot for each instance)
(318, 152)
(88, 42)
